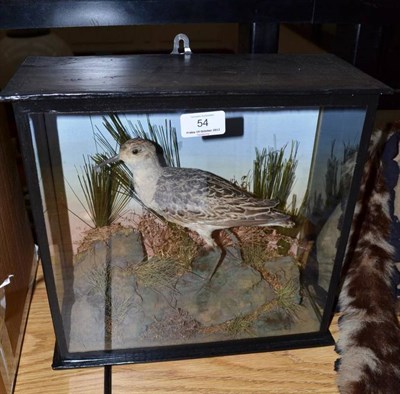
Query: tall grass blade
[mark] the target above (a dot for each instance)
(103, 194)
(274, 175)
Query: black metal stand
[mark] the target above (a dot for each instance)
(108, 321)
(107, 379)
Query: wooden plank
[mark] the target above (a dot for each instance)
(160, 75)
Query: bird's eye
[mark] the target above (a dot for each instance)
(135, 151)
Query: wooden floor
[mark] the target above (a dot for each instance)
(295, 371)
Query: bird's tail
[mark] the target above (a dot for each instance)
(278, 219)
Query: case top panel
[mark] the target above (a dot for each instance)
(180, 75)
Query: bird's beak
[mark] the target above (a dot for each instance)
(108, 161)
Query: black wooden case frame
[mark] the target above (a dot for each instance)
(157, 83)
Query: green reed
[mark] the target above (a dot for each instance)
(103, 194)
(273, 174)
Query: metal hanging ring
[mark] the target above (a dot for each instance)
(184, 39)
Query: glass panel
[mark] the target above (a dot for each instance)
(210, 238)
(334, 161)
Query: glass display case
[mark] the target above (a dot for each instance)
(191, 205)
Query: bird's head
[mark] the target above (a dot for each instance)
(137, 151)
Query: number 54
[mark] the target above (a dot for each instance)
(202, 122)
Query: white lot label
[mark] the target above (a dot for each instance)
(201, 124)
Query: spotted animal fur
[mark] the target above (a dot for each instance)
(369, 331)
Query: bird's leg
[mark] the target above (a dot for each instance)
(211, 245)
(217, 265)
(234, 252)
(209, 250)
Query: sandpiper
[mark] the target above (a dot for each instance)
(198, 200)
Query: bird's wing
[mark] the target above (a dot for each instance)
(191, 195)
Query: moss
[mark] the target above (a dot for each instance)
(96, 280)
(158, 272)
(240, 325)
(175, 325)
(286, 298)
(167, 240)
(259, 245)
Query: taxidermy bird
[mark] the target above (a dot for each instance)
(198, 200)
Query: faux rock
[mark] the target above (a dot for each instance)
(195, 306)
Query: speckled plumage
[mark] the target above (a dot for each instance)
(193, 198)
